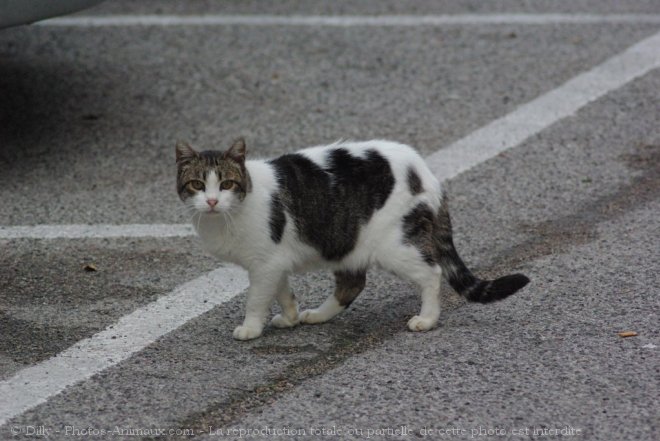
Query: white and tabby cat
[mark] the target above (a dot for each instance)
(344, 207)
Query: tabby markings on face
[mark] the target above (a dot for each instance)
(212, 181)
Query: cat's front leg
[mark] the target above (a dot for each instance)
(262, 290)
(289, 316)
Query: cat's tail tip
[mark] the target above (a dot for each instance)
(487, 291)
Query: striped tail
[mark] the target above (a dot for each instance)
(460, 277)
(486, 291)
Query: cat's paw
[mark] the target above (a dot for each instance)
(312, 316)
(246, 332)
(418, 323)
(282, 321)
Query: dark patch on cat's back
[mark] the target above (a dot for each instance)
(414, 182)
(329, 205)
(277, 219)
(372, 176)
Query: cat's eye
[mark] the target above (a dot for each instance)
(196, 185)
(227, 185)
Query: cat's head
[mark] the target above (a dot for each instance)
(212, 181)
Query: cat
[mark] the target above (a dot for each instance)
(343, 207)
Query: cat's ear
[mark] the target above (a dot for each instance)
(237, 151)
(184, 152)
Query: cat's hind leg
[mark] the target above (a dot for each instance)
(348, 286)
(411, 264)
(419, 261)
(429, 283)
(289, 316)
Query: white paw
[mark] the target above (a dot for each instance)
(311, 316)
(418, 323)
(281, 321)
(246, 332)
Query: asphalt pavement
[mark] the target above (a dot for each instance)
(89, 117)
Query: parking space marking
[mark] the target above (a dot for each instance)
(536, 115)
(34, 385)
(347, 20)
(95, 231)
(130, 334)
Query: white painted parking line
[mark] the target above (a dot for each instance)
(347, 20)
(95, 231)
(34, 385)
(536, 115)
(132, 333)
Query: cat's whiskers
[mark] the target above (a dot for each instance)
(185, 214)
(199, 219)
(227, 226)
(230, 225)
(183, 209)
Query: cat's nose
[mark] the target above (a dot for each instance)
(212, 202)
